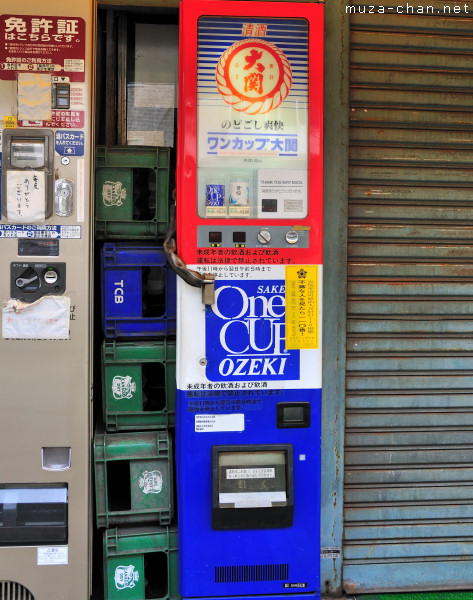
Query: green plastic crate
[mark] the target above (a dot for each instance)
(140, 562)
(131, 192)
(139, 385)
(133, 478)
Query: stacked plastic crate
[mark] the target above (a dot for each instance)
(133, 446)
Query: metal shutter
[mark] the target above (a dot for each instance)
(409, 409)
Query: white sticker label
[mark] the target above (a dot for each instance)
(70, 231)
(74, 64)
(206, 423)
(52, 555)
(330, 552)
(266, 473)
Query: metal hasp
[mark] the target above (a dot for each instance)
(205, 281)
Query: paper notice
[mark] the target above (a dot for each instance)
(211, 423)
(34, 97)
(45, 319)
(26, 196)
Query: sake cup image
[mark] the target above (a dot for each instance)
(215, 193)
(239, 193)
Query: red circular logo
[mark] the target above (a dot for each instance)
(254, 76)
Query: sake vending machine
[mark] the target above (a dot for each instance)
(249, 214)
(45, 125)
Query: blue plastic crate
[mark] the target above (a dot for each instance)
(138, 291)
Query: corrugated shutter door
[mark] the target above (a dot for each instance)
(409, 413)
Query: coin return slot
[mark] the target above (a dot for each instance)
(32, 280)
(56, 458)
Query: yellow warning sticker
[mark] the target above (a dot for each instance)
(302, 307)
(9, 122)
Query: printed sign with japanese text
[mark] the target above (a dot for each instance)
(51, 48)
(302, 311)
(41, 44)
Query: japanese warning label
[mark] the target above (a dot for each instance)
(302, 312)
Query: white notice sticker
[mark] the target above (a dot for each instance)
(210, 423)
(255, 473)
(330, 552)
(52, 555)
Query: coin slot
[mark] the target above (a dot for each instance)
(50, 277)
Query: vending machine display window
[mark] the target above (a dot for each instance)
(252, 486)
(33, 514)
(252, 118)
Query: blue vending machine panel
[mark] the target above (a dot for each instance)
(275, 552)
